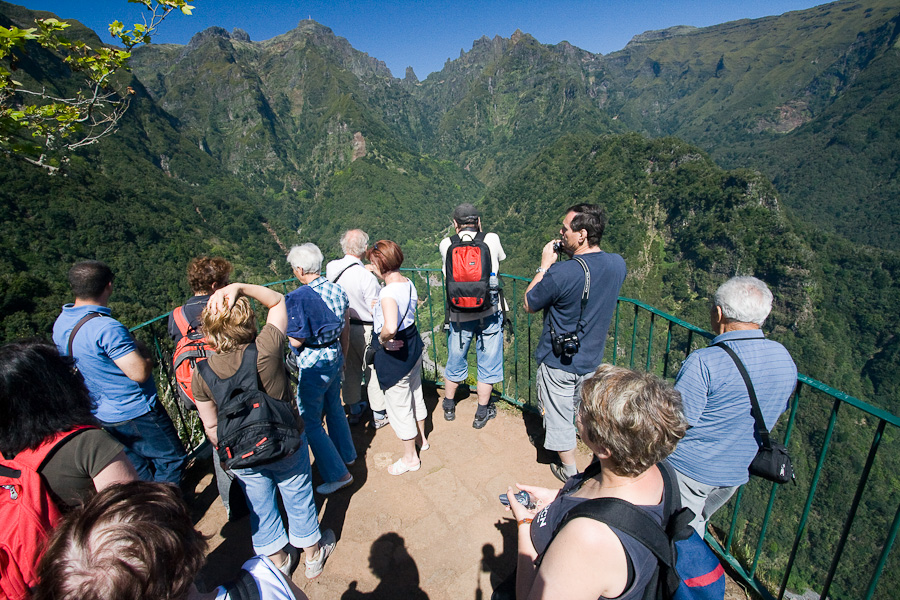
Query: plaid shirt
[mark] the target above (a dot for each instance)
(336, 299)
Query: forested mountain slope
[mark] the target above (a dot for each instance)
(305, 136)
(807, 97)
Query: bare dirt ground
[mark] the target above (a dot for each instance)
(439, 533)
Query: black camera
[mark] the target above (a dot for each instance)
(558, 246)
(565, 344)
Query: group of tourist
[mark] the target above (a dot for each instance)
(89, 409)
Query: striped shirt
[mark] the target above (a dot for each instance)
(720, 444)
(336, 299)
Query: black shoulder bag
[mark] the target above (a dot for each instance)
(772, 461)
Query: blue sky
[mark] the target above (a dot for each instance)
(424, 34)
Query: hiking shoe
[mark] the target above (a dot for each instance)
(489, 414)
(291, 562)
(326, 547)
(559, 471)
(333, 486)
(449, 413)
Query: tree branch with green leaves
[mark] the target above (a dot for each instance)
(42, 128)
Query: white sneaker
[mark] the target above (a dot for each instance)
(326, 547)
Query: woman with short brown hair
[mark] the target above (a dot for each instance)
(631, 421)
(398, 354)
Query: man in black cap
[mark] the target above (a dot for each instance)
(474, 310)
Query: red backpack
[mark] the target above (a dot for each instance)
(468, 269)
(191, 349)
(28, 513)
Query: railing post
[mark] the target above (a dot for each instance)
(882, 560)
(854, 506)
(634, 328)
(665, 372)
(616, 334)
(801, 528)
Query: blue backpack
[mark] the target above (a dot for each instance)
(688, 569)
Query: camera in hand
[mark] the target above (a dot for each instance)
(523, 497)
(558, 246)
(565, 344)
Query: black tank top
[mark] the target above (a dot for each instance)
(641, 561)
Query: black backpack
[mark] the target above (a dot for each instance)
(254, 428)
(468, 270)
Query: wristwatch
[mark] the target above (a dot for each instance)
(540, 270)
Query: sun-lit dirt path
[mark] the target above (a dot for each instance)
(438, 533)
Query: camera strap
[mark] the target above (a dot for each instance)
(585, 294)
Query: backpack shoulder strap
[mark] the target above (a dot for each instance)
(78, 325)
(242, 588)
(627, 518)
(181, 322)
(479, 237)
(37, 458)
(245, 378)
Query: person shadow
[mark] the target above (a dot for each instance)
(501, 567)
(392, 564)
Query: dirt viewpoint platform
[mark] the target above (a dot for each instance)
(438, 533)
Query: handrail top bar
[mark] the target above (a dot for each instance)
(805, 379)
(669, 317)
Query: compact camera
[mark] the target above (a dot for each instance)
(558, 246)
(523, 497)
(565, 344)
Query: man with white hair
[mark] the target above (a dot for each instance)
(318, 314)
(362, 289)
(712, 459)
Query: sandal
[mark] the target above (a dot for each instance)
(400, 467)
(425, 447)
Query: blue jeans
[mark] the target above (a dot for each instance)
(319, 396)
(151, 444)
(292, 477)
(488, 349)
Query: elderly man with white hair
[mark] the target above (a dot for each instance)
(362, 290)
(711, 460)
(318, 313)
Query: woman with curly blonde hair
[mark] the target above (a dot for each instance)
(631, 421)
(229, 323)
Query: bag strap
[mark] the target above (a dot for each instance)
(637, 523)
(242, 588)
(181, 322)
(585, 294)
(344, 270)
(759, 422)
(37, 458)
(245, 378)
(91, 315)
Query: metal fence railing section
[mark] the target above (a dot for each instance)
(831, 532)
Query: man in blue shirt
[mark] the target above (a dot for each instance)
(119, 375)
(578, 297)
(712, 459)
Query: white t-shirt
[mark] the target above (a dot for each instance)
(405, 295)
(358, 282)
(269, 580)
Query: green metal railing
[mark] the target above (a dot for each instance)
(776, 538)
